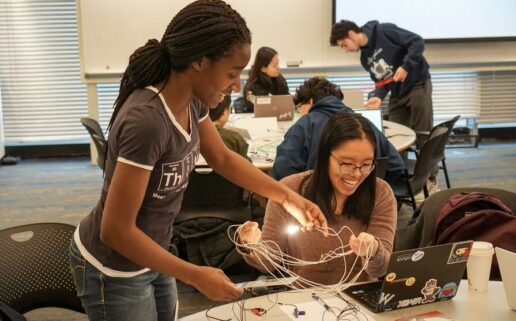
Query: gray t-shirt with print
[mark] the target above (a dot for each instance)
(146, 134)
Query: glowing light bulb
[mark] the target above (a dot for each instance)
(292, 229)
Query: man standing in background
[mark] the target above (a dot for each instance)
(394, 59)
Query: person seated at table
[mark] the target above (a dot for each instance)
(265, 76)
(319, 100)
(233, 140)
(344, 185)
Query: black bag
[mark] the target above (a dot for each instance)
(242, 106)
(8, 314)
(204, 241)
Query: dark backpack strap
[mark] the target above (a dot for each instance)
(8, 314)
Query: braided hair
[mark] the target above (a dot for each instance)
(204, 28)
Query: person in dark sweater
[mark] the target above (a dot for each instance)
(233, 140)
(394, 58)
(319, 100)
(265, 75)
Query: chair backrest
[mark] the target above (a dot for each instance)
(208, 189)
(34, 267)
(93, 127)
(100, 144)
(421, 233)
(447, 124)
(98, 138)
(427, 160)
(439, 152)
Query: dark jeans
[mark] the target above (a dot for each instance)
(150, 296)
(414, 109)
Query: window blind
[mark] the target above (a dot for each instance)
(498, 97)
(43, 97)
(454, 93)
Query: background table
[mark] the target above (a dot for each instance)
(265, 134)
(466, 306)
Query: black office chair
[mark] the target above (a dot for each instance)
(210, 205)
(34, 267)
(98, 138)
(413, 183)
(440, 151)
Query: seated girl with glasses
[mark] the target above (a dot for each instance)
(344, 185)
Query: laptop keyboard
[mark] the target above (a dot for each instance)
(370, 298)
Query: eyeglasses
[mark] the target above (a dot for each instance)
(347, 168)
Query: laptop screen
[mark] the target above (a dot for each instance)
(279, 106)
(374, 116)
(353, 98)
(417, 276)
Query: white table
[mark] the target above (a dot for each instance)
(400, 136)
(466, 306)
(267, 133)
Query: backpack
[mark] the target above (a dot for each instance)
(204, 241)
(479, 217)
(240, 105)
(9, 314)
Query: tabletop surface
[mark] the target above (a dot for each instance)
(267, 133)
(466, 306)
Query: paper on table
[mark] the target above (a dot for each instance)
(314, 310)
(258, 128)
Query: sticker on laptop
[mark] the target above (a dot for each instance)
(410, 281)
(430, 291)
(390, 277)
(459, 252)
(449, 290)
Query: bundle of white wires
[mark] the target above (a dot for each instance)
(269, 254)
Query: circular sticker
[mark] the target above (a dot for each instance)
(390, 277)
(410, 281)
(418, 256)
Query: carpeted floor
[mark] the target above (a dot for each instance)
(65, 190)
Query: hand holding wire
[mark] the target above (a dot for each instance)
(363, 244)
(250, 233)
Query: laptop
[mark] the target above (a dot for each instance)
(374, 115)
(415, 277)
(279, 106)
(353, 98)
(507, 263)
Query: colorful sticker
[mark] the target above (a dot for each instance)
(459, 252)
(449, 290)
(430, 291)
(390, 277)
(410, 281)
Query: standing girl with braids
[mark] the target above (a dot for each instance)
(160, 123)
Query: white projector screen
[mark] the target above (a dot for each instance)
(437, 20)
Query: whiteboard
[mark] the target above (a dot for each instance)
(110, 30)
(450, 19)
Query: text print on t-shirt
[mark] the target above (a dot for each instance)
(173, 175)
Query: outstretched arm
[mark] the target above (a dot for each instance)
(239, 171)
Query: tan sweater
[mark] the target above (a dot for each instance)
(310, 245)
